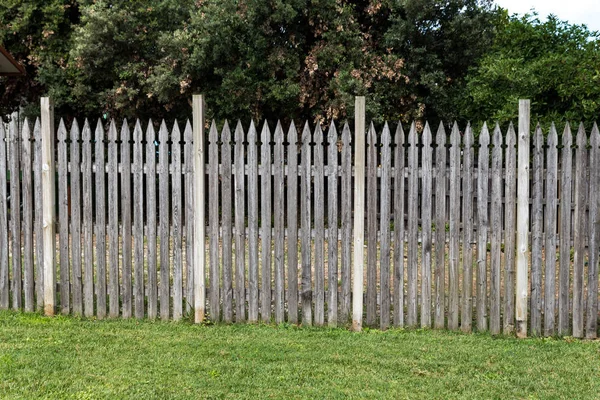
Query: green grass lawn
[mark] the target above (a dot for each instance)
(70, 358)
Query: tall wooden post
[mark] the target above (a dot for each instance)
(48, 212)
(199, 243)
(359, 212)
(522, 217)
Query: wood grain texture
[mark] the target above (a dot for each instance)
(483, 226)
(453, 250)
(496, 232)
(346, 227)
(15, 214)
(372, 242)
(398, 292)
(510, 192)
(189, 214)
(27, 228)
(126, 218)
(594, 238)
(213, 218)
(537, 220)
(38, 217)
(100, 225)
(565, 231)
(253, 243)
(198, 112)
(359, 212)
(240, 225)
(305, 227)
(441, 184)
(426, 219)
(226, 212)
(113, 222)
(292, 224)
(332, 225)
(63, 219)
(87, 223)
(319, 225)
(48, 209)
(413, 217)
(467, 231)
(265, 223)
(164, 205)
(138, 220)
(279, 225)
(384, 227)
(4, 267)
(550, 230)
(176, 218)
(151, 285)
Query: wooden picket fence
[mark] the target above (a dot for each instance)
(287, 224)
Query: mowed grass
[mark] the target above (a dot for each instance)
(71, 358)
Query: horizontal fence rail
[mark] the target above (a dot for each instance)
(440, 224)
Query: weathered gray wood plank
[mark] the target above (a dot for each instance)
(4, 268)
(177, 231)
(100, 222)
(319, 224)
(76, 203)
(426, 234)
(15, 214)
(88, 223)
(265, 223)
(467, 232)
(226, 212)
(594, 238)
(189, 215)
(332, 225)
(240, 237)
(496, 231)
(305, 242)
(413, 217)
(440, 228)
(550, 230)
(164, 220)
(126, 216)
(372, 150)
(384, 227)
(483, 225)
(279, 225)
(579, 227)
(27, 186)
(537, 218)
(565, 231)
(292, 224)
(213, 211)
(113, 222)
(453, 250)
(151, 285)
(38, 231)
(63, 219)
(138, 219)
(253, 189)
(399, 156)
(510, 192)
(346, 209)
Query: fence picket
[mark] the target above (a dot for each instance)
(126, 214)
(100, 221)
(399, 236)
(138, 219)
(332, 225)
(482, 226)
(550, 230)
(151, 287)
(265, 223)
(28, 281)
(15, 214)
(579, 226)
(453, 251)
(496, 231)
(319, 225)
(565, 230)
(510, 192)
(253, 261)
(164, 223)
(4, 275)
(279, 224)
(113, 222)
(240, 237)
(305, 242)
(177, 231)
(372, 150)
(346, 209)
(37, 221)
(213, 211)
(426, 194)
(413, 217)
(537, 213)
(384, 257)
(440, 227)
(189, 214)
(226, 211)
(292, 224)
(468, 235)
(594, 224)
(63, 218)
(88, 223)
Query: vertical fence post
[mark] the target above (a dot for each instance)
(522, 217)
(48, 191)
(199, 243)
(359, 212)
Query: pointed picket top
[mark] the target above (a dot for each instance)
(252, 134)
(426, 137)
(581, 136)
(225, 133)
(371, 136)
(552, 136)
(62, 131)
(125, 132)
(469, 139)
(567, 138)
(511, 136)
(497, 137)
(412, 135)
(2, 133)
(332, 135)
(99, 134)
(150, 133)
(188, 132)
(306, 134)
(137, 131)
(346, 136)
(318, 138)
(239, 133)
(112, 131)
(176, 134)
(292, 134)
(86, 134)
(538, 139)
(213, 135)
(265, 135)
(440, 136)
(484, 137)
(26, 131)
(278, 133)
(163, 133)
(74, 131)
(455, 135)
(386, 136)
(595, 137)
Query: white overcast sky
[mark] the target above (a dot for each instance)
(575, 11)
